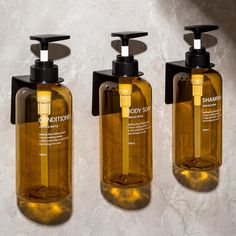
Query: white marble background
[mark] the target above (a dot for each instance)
(174, 209)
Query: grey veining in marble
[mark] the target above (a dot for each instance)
(174, 209)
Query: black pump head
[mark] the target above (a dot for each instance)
(197, 56)
(45, 39)
(199, 29)
(125, 64)
(44, 71)
(125, 36)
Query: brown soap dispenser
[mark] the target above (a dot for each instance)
(42, 112)
(123, 100)
(195, 90)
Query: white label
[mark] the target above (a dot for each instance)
(141, 125)
(139, 128)
(213, 114)
(55, 119)
(139, 110)
(124, 51)
(50, 135)
(197, 43)
(55, 138)
(210, 116)
(43, 55)
(211, 99)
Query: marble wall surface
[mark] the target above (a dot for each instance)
(175, 209)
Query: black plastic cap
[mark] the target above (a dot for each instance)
(125, 67)
(197, 58)
(44, 73)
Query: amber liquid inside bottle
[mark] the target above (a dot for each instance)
(43, 145)
(128, 165)
(197, 130)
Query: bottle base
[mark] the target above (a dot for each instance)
(201, 164)
(132, 198)
(200, 181)
(51, 213)
(131, 180)
(43, 194)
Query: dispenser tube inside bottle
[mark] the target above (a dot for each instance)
(197, 90)
(197, 131)
(125, 145)
(125, 91)
(44, 110)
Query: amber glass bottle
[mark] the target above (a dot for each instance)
(197, 139)
(137, 169)
(123, 101)
(42, 113)
(195, 90)
(43, 161)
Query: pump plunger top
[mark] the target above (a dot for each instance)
(199, 29)
(44, 40)
(125, 36)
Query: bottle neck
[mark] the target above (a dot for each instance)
(46, 86)
(200, 70)
(127, 80)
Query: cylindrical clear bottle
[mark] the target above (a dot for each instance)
(138, 168)
(43, 144)
(197, 130)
